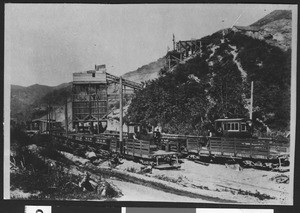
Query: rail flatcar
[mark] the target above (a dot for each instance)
(233, 139)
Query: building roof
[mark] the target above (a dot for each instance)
(247, 28)
(231, 119)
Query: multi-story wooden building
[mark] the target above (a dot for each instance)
(89, 100)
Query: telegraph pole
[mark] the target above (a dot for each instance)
(173, 42)
(121, 116)
(66, 117)
(251, 101)
(48, 122)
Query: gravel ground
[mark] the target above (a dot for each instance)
(134, 192)
(213, 183)
(217, 178)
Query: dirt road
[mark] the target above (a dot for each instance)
(133, 192)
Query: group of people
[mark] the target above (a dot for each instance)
(144, 135)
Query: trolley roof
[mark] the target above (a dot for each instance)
(231, 119)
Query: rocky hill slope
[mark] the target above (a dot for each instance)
(216, 83)
(146, 72)
(276, 15)
(278, 28)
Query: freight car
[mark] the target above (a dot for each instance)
(233, 139)
(143, 151)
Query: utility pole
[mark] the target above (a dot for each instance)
(66, 117)
(173, 42)
(98, 116)
(121, 116)
(251, 101)
(47, 124)
(48, 120)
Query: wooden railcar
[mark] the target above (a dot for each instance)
(234, 128)
(233, 139)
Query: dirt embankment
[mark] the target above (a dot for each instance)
(213, 183)
(191, 183)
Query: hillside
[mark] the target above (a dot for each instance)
(277, 28)
(277, 24)
(146, 72)
(216, 84)
(273, 16)
(31, 101)
(23, 97)
(27, 95)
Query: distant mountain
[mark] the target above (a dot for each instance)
(63, 85)
(23, 97)
(28, 95)
(26, 100)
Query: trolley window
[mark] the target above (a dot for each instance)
(233, 126)
(243, 127)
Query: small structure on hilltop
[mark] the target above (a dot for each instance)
(251, 31)
(182, 50)
(245, 29)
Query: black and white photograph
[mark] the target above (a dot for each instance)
(37, 209)
(181, 103)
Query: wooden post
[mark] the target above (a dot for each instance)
(234, 141)
(121, 115)
(279, 159)
(268, 147)
(98, 106)
(209, 141)
(173, 42)
(47, 124)
(49, 118)
(140, 147)
(251, 147)
(251, 101)
(66, 117)
(222, 142)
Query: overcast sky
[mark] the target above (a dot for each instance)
(46, 43)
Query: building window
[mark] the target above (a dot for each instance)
(93, 75)
(233, 126)
(243, 127)
(236, 126)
